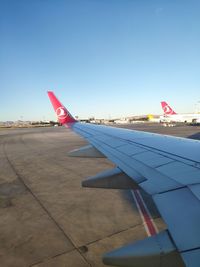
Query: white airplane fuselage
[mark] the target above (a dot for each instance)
(181, 118)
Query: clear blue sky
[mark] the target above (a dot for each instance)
(101, 57)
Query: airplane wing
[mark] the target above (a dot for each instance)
(167, 168)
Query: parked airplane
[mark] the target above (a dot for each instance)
(167, 168)
(171, 116)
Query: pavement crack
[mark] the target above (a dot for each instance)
(113, 234)
(55, 256)
(19, 177)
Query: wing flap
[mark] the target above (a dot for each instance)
(181, 172)
(195, 188)
(191, 258)
(130, 150)
(120, 162)
(152, 159)
(184, 226)
(150, 179)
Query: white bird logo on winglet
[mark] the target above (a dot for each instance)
(61, 113)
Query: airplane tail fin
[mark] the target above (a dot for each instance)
(167, 109)
(62, 113)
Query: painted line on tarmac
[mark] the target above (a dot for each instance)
(145, 214)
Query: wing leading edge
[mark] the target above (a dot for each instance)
(168, 168)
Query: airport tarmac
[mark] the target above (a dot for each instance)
(46, 217)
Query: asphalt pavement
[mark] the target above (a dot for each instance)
(46, 217)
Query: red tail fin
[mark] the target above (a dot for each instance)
(62, 113)
(167, 109)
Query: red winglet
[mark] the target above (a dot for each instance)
(167, 109)
(62, 113)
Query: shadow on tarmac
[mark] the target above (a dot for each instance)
(195, 136)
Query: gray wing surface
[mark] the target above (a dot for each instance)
(168, 168)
